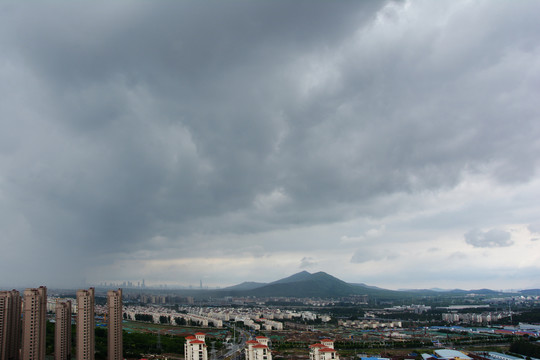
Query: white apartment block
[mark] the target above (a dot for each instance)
(195, 347)
(258, 349)
(272, 325)
(323, 351)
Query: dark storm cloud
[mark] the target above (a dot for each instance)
(130, 122)
(490, 238)
(134, 119)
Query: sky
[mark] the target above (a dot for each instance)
(391, 143)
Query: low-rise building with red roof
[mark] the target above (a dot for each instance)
(258, 349)
(323, 351)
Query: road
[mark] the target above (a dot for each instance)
(237, 348)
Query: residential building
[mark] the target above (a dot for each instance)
(258, 349)
(323, 351)
(86, 324)
(328, 354)
(195, 347)
(62, 330)
(10, 324)
(328, 343)
(114, 324)
(34, 324)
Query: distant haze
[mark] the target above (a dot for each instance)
(390, 143)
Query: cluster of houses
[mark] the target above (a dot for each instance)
(256, 349)
(255, 319)
(369, 324)
(483, 318)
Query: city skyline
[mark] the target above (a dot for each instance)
(388, 143)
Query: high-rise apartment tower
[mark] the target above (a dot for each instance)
(114, 324)
(86, 324)
(62, 331)
(10, 324)
(34, 324)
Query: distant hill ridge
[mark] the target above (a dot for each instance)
(323, 285)
(320, 284)
(246, 285)
(305, 284)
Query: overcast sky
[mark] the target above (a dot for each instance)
(395, 144)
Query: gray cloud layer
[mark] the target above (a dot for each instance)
(491, 238)
(131, 124)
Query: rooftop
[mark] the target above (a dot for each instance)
(451, 354)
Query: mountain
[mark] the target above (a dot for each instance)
(530, 292)
(246, 285)
(303, 275)
(304, 284)
(452, 292)
(323, 285)
(367, 286)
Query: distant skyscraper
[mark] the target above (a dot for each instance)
(114, 324)
(10, 324)
(34, 324)
(86, 324)
(62, 331)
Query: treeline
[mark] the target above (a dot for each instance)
(282, 345)
(525, 348)
(135, 344)
(527, 317)
(352, 345)
(144, 317)
(349, 312)
(285, 303)
(183, 322)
